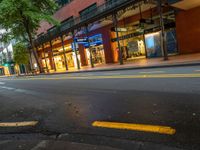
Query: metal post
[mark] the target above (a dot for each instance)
(54, 65)
(45, 58)
(64, 52)
(91, 61)
(163, 35)
(75, 50)
(143, 36)
(118, 42)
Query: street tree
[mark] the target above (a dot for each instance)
(20, 54)
(22, 18)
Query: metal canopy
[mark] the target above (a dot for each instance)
(101, 12)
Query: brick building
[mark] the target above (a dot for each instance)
(95, 32)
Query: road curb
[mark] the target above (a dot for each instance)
(127, 68)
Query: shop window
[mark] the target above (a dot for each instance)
(153, 45)
(171, 42)
(97, 49)
(110, 2)
(69, 22)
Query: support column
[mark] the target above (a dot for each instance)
(75, 50)
(64, 52)
(143, 36)
(45, 57)
(163, 34)
(117, 34)
(54, 65)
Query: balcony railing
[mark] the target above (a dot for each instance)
(173, 1)
(105, 8)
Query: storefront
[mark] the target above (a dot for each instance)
(153, 45)
(141, 43)
(70, 56)
(96, 48)
(133, 48)
(141, 38)
(46, 62)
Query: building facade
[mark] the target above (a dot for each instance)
(97, 32)
(6, 59)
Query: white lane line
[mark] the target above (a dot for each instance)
(7, 88)
(112, 73)
(40, 145)
(152, 72)
(18, 124)
(2, 83)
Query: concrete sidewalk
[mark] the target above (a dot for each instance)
(174, 61)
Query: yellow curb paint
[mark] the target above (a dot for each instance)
(135, 127)
(18, 124)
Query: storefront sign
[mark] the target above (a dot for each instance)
(74, 47)
(94, 40)
(81, 40)
(118, 29)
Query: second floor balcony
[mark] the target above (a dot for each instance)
(94, 14)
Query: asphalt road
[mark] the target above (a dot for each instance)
(71, 103)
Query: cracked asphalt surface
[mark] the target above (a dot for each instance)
(69, 103)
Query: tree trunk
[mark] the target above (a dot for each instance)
(34, 53)
(33, 48)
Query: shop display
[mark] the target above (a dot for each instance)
(59, 62)
(97, 49)
(132, 48)
(153, 45)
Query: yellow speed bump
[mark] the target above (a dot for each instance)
(18, 124)
(135, 127)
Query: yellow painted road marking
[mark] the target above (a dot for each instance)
(195, 75)
(135, 127)
(18, 124)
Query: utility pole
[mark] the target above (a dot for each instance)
(163, 34)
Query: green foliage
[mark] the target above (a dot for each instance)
(19, 15)
(22, 18)
(21, 55)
